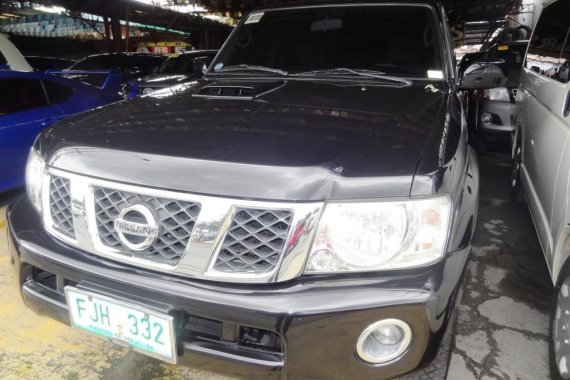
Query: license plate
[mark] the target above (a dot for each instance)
(129, 325)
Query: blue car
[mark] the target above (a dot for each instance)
(32, 101)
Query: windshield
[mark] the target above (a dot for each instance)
(397, 40)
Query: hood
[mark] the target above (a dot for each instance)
(293, 140)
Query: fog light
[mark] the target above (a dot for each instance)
(486, 118)
(384, 341)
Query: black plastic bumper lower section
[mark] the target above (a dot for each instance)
(501, 114)
(311, 324)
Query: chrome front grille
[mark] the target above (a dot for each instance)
(188, 235)
(60, 206)
(254, 241)
(176, 220)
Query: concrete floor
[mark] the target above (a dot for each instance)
(503, 319)
(502, 329)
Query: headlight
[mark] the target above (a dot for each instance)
(497, 94)
(380, 235)
(34, 177)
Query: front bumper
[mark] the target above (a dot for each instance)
(501, 115)
(316, 320)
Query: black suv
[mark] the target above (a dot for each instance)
(299, 214)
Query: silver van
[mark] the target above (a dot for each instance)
(541, 161)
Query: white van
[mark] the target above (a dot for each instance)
(541, 161)
(10, 56)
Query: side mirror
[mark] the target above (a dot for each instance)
(200, 67)
(481, 75)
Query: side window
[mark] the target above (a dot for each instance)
(545, 53)
(25, 94)
(57, 92)
(3, 60)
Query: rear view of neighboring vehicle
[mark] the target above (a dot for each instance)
(34, 102)
(176, 70)
(541, 161)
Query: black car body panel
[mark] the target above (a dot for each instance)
(268, 139)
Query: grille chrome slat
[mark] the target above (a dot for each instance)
(60, 206)
(254, 241)
(175, 218)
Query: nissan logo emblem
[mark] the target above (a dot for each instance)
(136, 227)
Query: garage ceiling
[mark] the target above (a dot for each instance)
(482, 17)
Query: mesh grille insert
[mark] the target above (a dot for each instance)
(60, 206)
(175, 218)
(254, 241)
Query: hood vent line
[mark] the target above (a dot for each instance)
(226, 92)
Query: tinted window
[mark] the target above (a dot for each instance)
(395, 39)
(545, 53)
(183, 63)
(24, 95)
(57, 92)
(99, 62)
(146, 63)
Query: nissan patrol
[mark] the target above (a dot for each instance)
(305, 211)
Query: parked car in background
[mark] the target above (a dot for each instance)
(131, 65)
(298, 214)
(48, 63)
(492, 110)
(10, 56)
(541, 161)
(33, 101)
(175, 70)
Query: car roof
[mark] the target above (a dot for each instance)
(43, 76)
(313, 3)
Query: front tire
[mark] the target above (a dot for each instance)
(559, 339)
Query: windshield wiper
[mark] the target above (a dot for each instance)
(341, 71)
(236, 68)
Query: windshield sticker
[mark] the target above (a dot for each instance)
(435, 74)
(254, 18)
(503, 48)
(218, 66)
